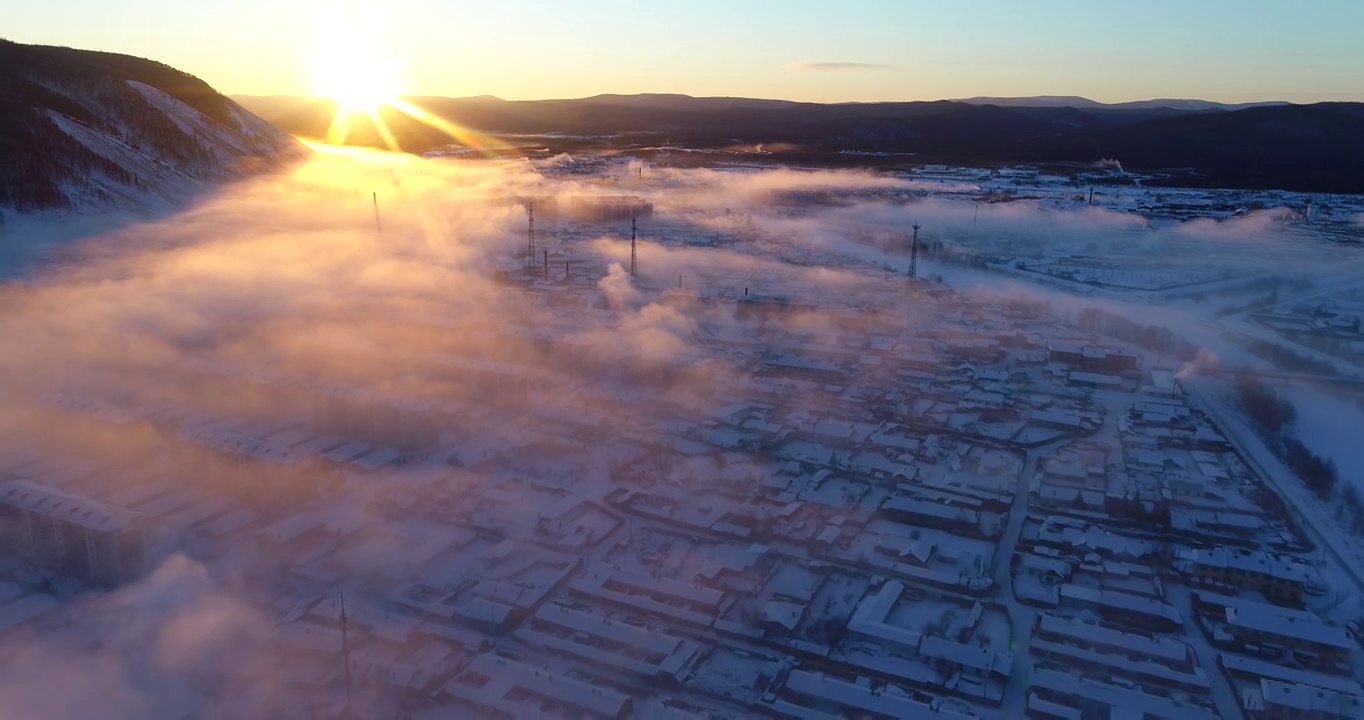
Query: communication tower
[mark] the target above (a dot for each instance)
(530, 230)
(345, 649)
(914, 254)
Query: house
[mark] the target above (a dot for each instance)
(1280, 580)
(72, 535)
(501, 687)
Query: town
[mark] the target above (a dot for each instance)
(670, 463)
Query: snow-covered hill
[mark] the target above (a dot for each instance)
(96, 132)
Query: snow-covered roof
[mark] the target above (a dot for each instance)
(59, 505)
(500, 684)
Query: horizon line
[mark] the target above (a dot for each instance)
(1056, 100)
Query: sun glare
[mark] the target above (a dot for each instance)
(352, 66)
(354, 69)
(358, 89)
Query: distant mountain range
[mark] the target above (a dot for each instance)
(85, 129)
(1311, 148)
(92, 130)
(1087, 104)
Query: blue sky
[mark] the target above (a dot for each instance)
(846, 50)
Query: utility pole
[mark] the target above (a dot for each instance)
(914, 254)
(377, 226)
(345, 650)
(633, 265)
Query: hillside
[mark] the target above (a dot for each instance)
(93, 130)
(1313, 148)
(1310, 147)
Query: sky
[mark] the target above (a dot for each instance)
(814, 50)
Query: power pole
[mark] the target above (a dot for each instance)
(914, 254)
(345, 650)
(633, 264)
(377, 226)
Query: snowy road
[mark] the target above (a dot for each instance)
(1223, 696)
(1020, 616)
(1315, 518)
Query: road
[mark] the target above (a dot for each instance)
(1020, 616)
(1223, 696)
(1311, 514)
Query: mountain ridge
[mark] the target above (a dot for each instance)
(90, 130)
(1083, 103)
(1076, 101)
(1310, 148)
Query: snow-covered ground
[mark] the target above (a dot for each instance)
(759, 471)
(1330, 426)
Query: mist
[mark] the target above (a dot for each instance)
(388, 301)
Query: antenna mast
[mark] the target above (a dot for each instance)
(633, 265)
(530, 230)
(345, 649)
(914, 254)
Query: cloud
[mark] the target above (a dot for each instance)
(834, 66)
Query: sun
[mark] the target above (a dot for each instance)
(360, 88)
(352, 67)
(355, 72)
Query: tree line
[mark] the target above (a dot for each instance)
(1274, 416)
